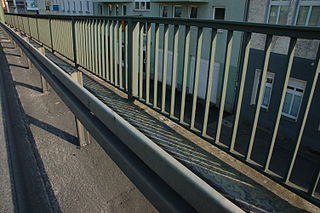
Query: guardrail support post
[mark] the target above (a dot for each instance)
(28, 60)
(44, 83)
(16, 46)
(83, 134)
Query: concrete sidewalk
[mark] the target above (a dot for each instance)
(6, 191)
(56, 176)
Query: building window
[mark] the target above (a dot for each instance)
(278, 11)
(74, 6)
(164, 11)
(110, 10)
(68, 6)
(308, 13)
(293, 99)
(80, 6)
(124, 10)
(177, 11)
(142, 5)
(193, 13)
(100, 9)
(88, 6)
(117, 10)
(267, 91)
(219, 13)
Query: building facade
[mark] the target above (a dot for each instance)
(285, 12)
(66, 7)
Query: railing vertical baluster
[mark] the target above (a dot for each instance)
(90, 44)
(224, 84)
(185, 71)
(148, 65)
(86, 39)
(267, 51)
(82, 44)
(50, 31)
(133, 59)
(141, 61)
(126, 56)
(111, 50)
(246, 46)
(174, 69)
(30, 28)
(86, 31)
(211, 71)
(156, 67)
(196, 77)
(37, 29)
(107, 57)
(74, 43)
(164, 67)
(315, 182)
(120, 54)
(289, 64)
(95, 48)
(79, 34)
(116, 52)
(99, 49)
(305, 116)
(103, 48)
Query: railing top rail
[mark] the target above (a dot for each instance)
(278, 30)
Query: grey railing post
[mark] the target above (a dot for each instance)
(74, 43)
(83, 134)
(133, 59)
(44, 83)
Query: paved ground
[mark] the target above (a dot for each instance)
(55, 175)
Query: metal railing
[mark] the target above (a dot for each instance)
(158, 61)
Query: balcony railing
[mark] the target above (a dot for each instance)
(159, 61)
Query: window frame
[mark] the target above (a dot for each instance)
(256, 84)
(293, 82)
(309, 4)
(88, 6)
(110, 9)
(278, 3)
(190, 9)
(161, 10)
(214, 12)
(174, 11)
(140, 5)
(124, 6)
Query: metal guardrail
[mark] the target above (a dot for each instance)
(146, 164)
(124, 51)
